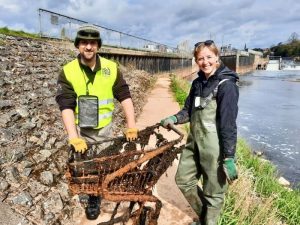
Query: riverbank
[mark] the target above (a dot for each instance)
(256, 197)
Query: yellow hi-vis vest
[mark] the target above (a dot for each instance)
(101, 87)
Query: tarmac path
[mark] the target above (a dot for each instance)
(175, 210)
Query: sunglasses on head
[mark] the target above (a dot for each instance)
(207, 43)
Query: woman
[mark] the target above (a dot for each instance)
(211, 108)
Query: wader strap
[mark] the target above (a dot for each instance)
(205, 101)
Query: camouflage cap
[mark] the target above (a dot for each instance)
(87, 32)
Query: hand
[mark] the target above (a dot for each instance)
(171, 120)
(230, 169)
(131, 134)
(78, 144)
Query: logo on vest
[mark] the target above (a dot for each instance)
(106, 72)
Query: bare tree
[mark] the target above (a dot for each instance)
(293, 38)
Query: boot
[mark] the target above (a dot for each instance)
(212, 216)
(92, 211)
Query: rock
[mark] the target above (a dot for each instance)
(7, 135)
(26, 172)
(49, 218)
(12, 175)
(42, 156)
(63, 189)
(26, 164)
(36, 188)
(282, 181)
(23, 112)
(258, 153)
(46, 178)
(4, 119)
(28, 125)
(53, 204)
(18, 153)
(6, 104)
(23, 198)
(3, 185)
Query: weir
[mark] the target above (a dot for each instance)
(141, 53)
(244, 61)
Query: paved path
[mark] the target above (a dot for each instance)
(175, 210)
(161, 104)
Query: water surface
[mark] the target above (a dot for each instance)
(269, 118)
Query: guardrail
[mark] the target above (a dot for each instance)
(55, 25)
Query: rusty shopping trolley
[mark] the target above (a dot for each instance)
(125, 172)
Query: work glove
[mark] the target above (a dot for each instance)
(230, 169)
(131, 134)
(171, 120)
(78, 144)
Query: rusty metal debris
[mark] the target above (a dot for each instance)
(125, 171)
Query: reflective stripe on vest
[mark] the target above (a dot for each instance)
(102, 102)
(101, 87)
(100, 116)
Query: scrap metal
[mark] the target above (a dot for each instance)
(125, 172)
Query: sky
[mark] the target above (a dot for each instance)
(254, 23)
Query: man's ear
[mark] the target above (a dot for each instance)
(99, 43)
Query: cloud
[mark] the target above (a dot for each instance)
(258, 23)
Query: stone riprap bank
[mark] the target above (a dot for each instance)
(33, 147)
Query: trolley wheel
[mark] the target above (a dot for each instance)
(144, 220)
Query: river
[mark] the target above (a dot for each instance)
(269, 118)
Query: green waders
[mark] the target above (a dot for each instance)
(201, 158)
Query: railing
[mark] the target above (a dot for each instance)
(54, 25)
(274, 57)
(228, 52)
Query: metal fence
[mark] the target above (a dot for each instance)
(54, 25)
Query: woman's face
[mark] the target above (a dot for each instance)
(207, 61)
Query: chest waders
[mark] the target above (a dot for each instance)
(201, 159)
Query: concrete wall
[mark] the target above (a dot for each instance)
(229, 61)
(150, 64)
(244, 62)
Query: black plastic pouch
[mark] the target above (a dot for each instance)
(88, 111)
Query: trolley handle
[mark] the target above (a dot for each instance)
(173, 128)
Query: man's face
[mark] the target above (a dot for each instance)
(88, 49)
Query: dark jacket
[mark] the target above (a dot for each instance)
(66, 96)
(227, 105)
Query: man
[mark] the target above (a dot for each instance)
(86, 88)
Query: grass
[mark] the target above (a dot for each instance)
(256, 198)
(2, 43)
(180, 89)
(18, 33)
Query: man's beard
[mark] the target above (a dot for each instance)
(89, 58)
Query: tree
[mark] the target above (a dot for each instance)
(293, 38)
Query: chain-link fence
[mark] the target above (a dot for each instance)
(54, 25)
